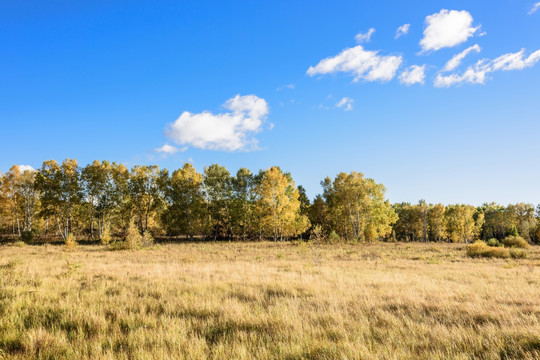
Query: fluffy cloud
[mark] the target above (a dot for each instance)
(230, 131)
(447, 28)
(534, 8)
(345, 103)
(456, 60)
(477, 74)
(363, 64)
(167, 149)
(23, 168)
(360, 38)
(402, 30)
(413, 75)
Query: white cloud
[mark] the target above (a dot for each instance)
(477, 74)
(168, 149)
(288, 86)
(363, 64)
(534, 8)
(515, 61)
(456, 60)
(230, 131)
(402, 30)
(447, 28)
(360, 38)
(473, 75)
(23, 168)
(345, 103)
(413, 75)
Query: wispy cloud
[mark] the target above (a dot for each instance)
(362, 38)
(362, 64)
(534, 8)
(284, 87)
(478, 73)
(456, 60)
(346, 103)
(402, 30)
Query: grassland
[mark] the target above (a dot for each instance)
(267, 301)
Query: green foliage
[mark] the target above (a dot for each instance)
(183, 193)
(516, 241)
(513, 231)
(518, 253)
(218, 189)
(393, 237)
(63, 198)
(60, 191)
(481, 249)
(357, 207)
(333, 237)
(278, 206)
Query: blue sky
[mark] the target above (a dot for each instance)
(229, 82)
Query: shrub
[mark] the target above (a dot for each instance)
(106, 236)
(71, 243)
(518, 253)
(133, 237)
(516, 241)
(118, 245)
(333, 237)
(481, 249)
(147, 239)
(493, 242)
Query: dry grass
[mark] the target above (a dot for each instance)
(268, 301)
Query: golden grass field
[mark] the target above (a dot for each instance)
(267, 301)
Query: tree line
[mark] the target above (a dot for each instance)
(62, 200)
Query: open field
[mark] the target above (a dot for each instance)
(268, 301)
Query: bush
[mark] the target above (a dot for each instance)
(481, 249)
(118, 245)
(106, 236)
(493, 242)
(333, 237)
(147, 239)
(516, 241)
(133, 237)
(518, 253)
(71, 243)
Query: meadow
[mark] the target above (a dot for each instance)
(266, 300)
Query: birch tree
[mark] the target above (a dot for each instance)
(60, 193)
